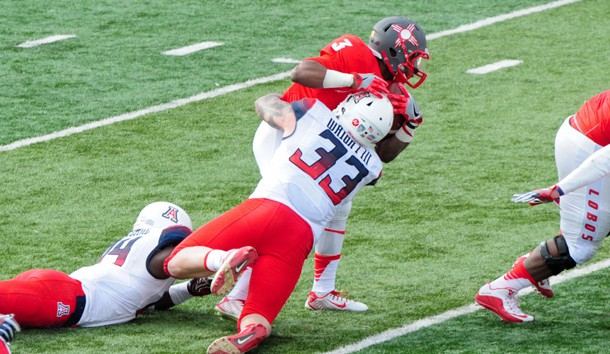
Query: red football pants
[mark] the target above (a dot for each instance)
(41, 298)
(281, 238)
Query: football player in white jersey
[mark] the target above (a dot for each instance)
(128, 278)
(394, 55)
(324, 159)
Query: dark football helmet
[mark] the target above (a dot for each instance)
(401, 44)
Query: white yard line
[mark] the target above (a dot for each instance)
(192, 48)
(132, 115)
(221, 91)
(486, 69)
(464, 310)
(46, 40)
(500, 18)
(285, 61)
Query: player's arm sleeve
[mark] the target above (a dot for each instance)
(592, 169)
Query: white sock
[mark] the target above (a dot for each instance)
(325, 273)
(213, 260)
(179, 293)
(240, 291)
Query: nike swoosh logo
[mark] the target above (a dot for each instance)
(244, 339)
(241, 266)
(338, 305)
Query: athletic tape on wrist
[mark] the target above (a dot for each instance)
(335, 78)
(404, 134)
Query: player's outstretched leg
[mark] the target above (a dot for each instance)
(231, 269)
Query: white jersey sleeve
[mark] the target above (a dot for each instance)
(266, 140)
(592, 169)
(120, 285)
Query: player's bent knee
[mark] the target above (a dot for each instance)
(563, 260)
(173, 267)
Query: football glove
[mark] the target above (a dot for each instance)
(539, 196)
(405, 105)
(399, 100)
(199, 286)
(371, 83)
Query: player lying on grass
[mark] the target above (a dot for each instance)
(325, 158)
(582, 156)
(128, 278)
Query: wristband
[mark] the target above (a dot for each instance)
(558, 189)
(334, 78)
(404, 134)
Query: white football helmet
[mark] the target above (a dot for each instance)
(366, 117)
(160, 215)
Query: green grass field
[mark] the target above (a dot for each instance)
(421, 242)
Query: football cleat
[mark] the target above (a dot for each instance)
(230, 309)
(503, 302)
(8, 328)
(231, 269)
(247, 339)
(333, 300)
(543, 287)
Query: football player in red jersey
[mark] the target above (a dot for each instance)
(395, 54)
(128, 279)
(582, 157)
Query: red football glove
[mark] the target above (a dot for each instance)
(371, 83)
(404, 104)
(539, 196)
(399, 100)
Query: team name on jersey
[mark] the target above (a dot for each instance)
(338, 131)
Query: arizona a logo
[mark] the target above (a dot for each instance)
(62, 310)
(171, 214)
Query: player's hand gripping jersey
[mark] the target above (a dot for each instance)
(120, 285)
(315, 176)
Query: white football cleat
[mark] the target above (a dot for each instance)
(333, 300)
(503, 302)
(230, 309)
(544, 288)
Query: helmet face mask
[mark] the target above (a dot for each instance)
(366, 118)
(401, 44)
